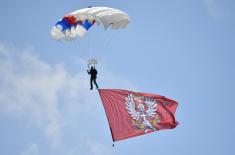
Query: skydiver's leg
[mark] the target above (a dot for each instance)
(96, 84)
(91, 83)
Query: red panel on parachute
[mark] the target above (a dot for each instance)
(71, 20)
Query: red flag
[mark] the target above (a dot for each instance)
(132, 114)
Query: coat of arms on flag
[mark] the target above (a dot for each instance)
(143, 111)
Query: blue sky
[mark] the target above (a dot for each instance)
(181, 49)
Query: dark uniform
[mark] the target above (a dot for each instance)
(93, 72)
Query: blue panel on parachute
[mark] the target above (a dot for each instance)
(64, 24)
(86, 24)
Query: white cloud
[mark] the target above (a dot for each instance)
(215, 8)
(46, 95)
(29, 89)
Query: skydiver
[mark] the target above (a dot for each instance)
(93, 72)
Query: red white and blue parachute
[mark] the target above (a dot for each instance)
(78, 23)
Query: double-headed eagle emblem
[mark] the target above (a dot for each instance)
(142, 111)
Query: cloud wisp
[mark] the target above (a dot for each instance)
(46, 95)
(215, 9)
(31, 150)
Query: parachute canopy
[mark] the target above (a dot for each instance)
(78, 23)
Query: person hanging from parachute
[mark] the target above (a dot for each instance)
(93, 73)
(79, 22)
